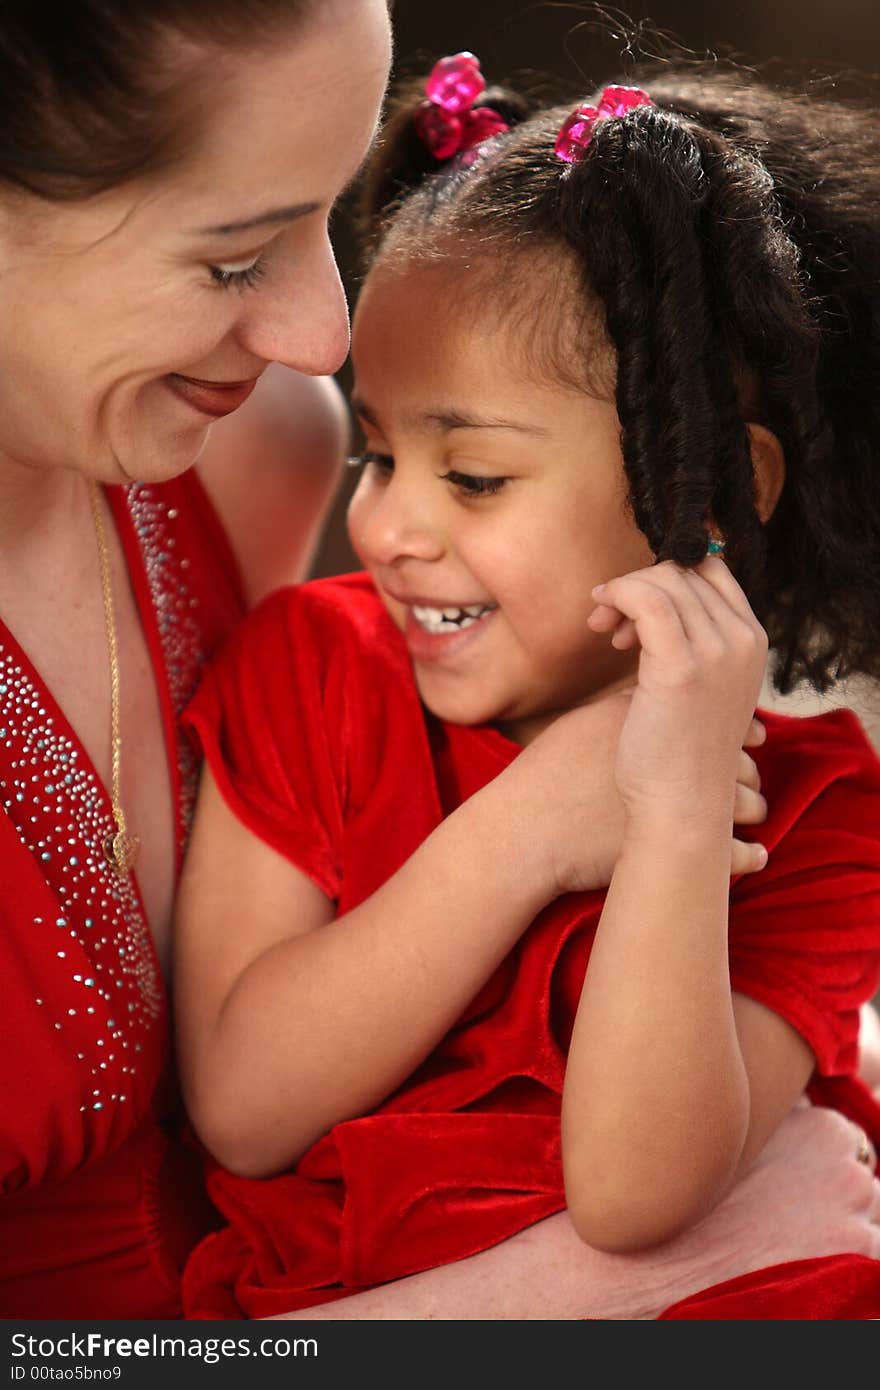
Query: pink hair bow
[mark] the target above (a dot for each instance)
(577, 131)
(447, 122)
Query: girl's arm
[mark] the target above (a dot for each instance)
(673, 1085)
(805, 1196)
(284, 1029)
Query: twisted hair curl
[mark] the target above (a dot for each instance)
(730, 235)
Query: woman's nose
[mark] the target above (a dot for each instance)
(300, 317)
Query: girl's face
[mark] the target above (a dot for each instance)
(208, 271)
(490, 505)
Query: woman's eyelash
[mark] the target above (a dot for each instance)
(240, 279)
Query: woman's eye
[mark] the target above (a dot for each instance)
(381, 463)
(241, 274)
(473, 484)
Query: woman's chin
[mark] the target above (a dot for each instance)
(157, 460)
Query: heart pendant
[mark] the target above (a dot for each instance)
(121, 851)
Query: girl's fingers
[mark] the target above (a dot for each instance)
(625, 636)
(702, 610)
(756, 734)
(716, 573)
(605, 617)
(724, 602)
(693, 598)
(663, 604)
(651, 609)
(679, 617)
(747, 772)
(749, 807)
(746, 858)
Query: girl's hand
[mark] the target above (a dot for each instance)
(566, 778)
(749, 806)
(701, 663)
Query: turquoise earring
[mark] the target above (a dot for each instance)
(716, 547)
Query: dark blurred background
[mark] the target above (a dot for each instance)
(798, 39)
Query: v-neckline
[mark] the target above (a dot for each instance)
(133, 557)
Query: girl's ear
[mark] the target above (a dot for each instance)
(768, 465)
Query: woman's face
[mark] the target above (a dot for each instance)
(113, 309)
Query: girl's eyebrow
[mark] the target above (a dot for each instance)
(448, 420)
(263, 219)
(444, 421)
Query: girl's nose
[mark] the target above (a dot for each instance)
(300, 316)
(394, 523)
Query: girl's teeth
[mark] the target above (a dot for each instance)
(449, 619)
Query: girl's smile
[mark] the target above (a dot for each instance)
(439, 634)
(491, 502)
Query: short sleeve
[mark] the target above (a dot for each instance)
(805, 931)
(263, 716)
(310, 722)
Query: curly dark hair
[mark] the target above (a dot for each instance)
(731, 235)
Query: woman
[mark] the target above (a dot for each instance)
(136, 143)
(166, 176)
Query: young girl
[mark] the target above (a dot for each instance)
(590, 348)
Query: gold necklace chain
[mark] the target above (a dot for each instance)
(120, 848)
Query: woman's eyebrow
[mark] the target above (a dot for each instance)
(263, 219)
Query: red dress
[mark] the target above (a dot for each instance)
(99, 1204)
(312, 726)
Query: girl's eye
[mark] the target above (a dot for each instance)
(473, 485)
(242, 275)
(382, 463)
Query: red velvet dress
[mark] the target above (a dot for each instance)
(311, 723)
(99, 1204)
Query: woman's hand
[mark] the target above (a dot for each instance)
(807, 1195)
(702, 658)
(869, 1047)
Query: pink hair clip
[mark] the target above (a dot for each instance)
(577, 130)
(446, 121)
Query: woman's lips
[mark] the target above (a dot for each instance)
(213, 398)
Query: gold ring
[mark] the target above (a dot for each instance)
(864, 1154)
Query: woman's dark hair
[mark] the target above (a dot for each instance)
(731, 235)
(92, 93)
